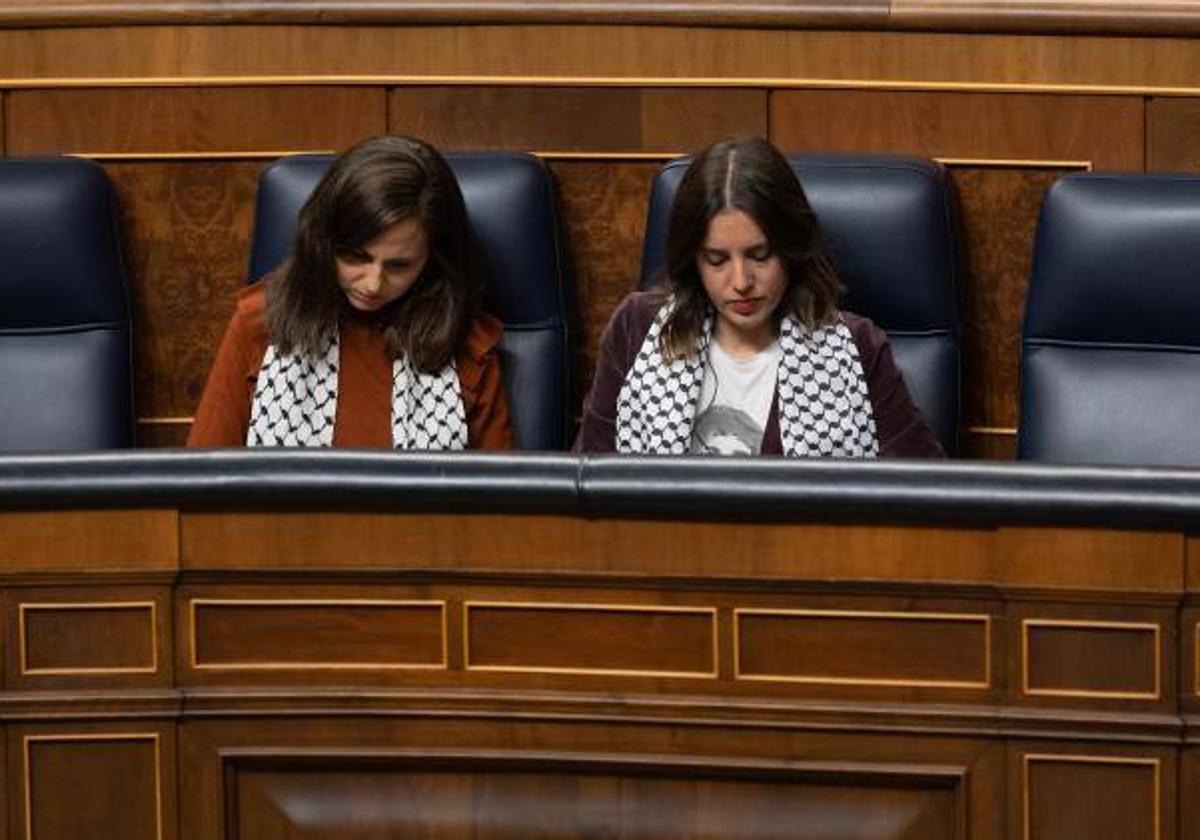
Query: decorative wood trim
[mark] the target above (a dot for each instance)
(1132, 626)
(314, 666)
(432, 80)
(153, 737)
(1016, 163)
(1029, 758)
(25, 670)
(117, 157)
(711, 612)
(983, 618)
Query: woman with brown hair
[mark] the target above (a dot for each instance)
(370, 334)
(742, 349)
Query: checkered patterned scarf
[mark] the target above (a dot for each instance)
(295, 403)
(824, 408)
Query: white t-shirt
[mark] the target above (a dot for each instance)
(735, 401)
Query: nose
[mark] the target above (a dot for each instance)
(372, 278)
(742, 279)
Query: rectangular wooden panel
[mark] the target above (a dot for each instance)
(75, 783)
(864, 648)
(1092, 558)
(1173, 134)
(203, 120)
(1192, 549)
(998, 210)
(187, 229)
(1099, 659)
(290, 634)
(577, 119)
(602, 209)
(591, 639)
(549, 543)
(503, 796)
(80, 638)
(1091, 796)
(1103, 131)
(92, 541)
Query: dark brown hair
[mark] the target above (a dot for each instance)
(747, 174)
(369, 188)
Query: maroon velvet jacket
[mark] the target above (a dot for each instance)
(903, 432)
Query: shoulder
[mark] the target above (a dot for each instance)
(634, 315)
(868, 336)
(482, 337)
(250, 314)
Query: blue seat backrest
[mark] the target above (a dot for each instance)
(65, 359)
(510, 202)
(1110, 350)
(890, 226)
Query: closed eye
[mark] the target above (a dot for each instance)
(715, 258)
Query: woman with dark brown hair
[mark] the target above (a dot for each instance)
(742, 349)
(370, 334)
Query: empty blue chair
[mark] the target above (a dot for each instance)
(1110, 350)
(510, 203)
(65, 359)
(890, 226)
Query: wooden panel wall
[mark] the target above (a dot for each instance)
(185, 159)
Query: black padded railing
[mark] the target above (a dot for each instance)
(685, 489)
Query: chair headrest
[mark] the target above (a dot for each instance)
(58, 222)
(1115, 262)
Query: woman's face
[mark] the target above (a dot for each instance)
(744, 279)
(384, 269)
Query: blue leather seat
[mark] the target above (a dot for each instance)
(1110, 351)
(889, 224)
(510, 203)
(65, 360)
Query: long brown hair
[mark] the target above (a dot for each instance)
(369, 188)
(747, 174)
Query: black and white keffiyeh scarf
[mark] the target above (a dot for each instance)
(824, 407)
(295, 403)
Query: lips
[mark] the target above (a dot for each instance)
(363, 301)
(745, 306)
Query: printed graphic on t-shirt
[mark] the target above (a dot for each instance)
(725, 430)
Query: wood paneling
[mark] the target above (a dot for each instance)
(1103, 130)
(552, 52)
(87, 637)
(1134, 560)
(577, 798)
(1084, 795)
(861, 647)
(93, 541)
(602, 209)
(187, 228)
(260, 635)
(577, 119)
(591, 638)
(119, 783)
(1173, 135)
(200, 120)
(1082, 658)
(998, 216)
(445, 541)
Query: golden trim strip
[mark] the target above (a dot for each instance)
(1130, 626)
(165, 421)
(22, 646)
(984, 618)
(711, 612)
(1029, 758)
(434, 80)
(1006, 431)
(315, 666)
(116, 157)
(153, 737)
(1016, 163)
